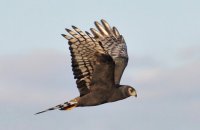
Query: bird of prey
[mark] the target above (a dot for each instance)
(98, 62)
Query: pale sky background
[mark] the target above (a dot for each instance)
(163, 39)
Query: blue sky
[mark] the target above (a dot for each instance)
(163, 44)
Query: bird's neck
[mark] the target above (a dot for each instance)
(118, 94)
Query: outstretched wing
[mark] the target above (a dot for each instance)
(114, 44)
(83, 48)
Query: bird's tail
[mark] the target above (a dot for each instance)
(65, 106)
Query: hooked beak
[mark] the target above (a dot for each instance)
(135, 94)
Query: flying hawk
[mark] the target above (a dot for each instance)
(98, 62)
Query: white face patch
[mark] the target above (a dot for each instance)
(132, 92)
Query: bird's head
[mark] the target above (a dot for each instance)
(128, 91)
(131, 91)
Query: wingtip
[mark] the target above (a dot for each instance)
(63, 35)
(87, 33)
(74, 27)
(103, 21)
(97, 23)
(68, 30)
(66, 36)
(116, 32)
(92, 30)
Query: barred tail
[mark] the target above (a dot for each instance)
(65, 106)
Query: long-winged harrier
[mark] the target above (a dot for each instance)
(98, 62)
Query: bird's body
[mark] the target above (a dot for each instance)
(98, 63)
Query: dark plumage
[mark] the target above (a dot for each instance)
(98, 62)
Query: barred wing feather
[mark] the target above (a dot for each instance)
(114, 44)
(83, 50)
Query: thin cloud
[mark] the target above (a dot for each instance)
(190, 53)
(35, 77)
(167, 82)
